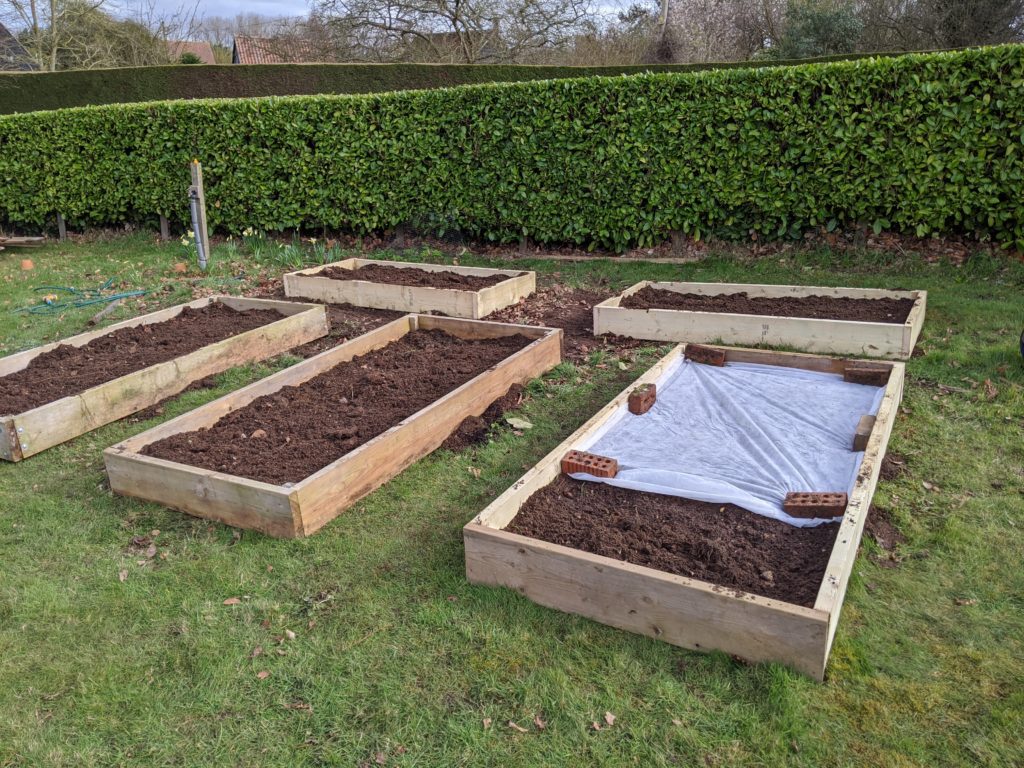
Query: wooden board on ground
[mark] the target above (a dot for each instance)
(25, 434)
(10, 241)
(679, 610)
(308, 284)
(302, 508)
(833, 337)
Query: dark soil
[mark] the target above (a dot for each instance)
(380, 273)
(572, 310)
(719, 544)
(822, 307)
(289, 435)
(346, 322)
(894, 466)
(68, 370)
(880, 527)
(475, 429)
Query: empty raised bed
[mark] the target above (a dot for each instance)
(843, 321)
(631, 550)
(59, 391)
(471, 292)
(289, 453)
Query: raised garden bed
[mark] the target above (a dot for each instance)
(287, 454)
(696, 584)
(844, 321)
(470, 292)
(59, 391)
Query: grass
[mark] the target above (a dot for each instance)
(396, 658)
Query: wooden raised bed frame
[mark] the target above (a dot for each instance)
(299, 509)
(307, 284)
(833, 337)
(25, 434)
(680, 610)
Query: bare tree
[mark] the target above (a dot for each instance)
(467, 31)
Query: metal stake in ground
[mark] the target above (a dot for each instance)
(197, 206)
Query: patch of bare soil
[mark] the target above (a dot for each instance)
(413, 276)
(68, 370)
(572, 310)
(887, 310)
(719, 544)
(290, 434)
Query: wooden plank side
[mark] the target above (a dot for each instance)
(69, 417)
(19, 360)
(10, 450)
(407, 298)
(480, 329)
(844, 552)
(506, 293)
(230, 500)
(325, 494)
(914, 324)
(675, 609)
(213, 411)
(885, 340)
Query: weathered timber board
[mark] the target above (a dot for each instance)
(832, 337)
(308, 284)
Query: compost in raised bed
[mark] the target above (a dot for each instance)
(721, 544)
(381, 273)
(287, 436)
(882, 310)
(67, 370)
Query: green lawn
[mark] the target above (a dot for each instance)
(397, 660)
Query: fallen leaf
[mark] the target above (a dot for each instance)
(289, 634)
(541, 725)
(380, 758)
(609, 718)
(155, 532)
(474, 472)
(232, 601)
(487, 723)
(676, 721)
(623, 366)
(517, 423)
(265, 624)
(263, 674)
(300, 706)
(991, 393)
(151, 551)
(26, 264)
(595, 726)
(122, 575)
(516, 727)
(965, 601)
(257, 651)
(927, 486)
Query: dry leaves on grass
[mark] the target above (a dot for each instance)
(263, 674)
(487, 723)
(232, 601)
(516, 727)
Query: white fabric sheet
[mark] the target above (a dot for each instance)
(742, 434)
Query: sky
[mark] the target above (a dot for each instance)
(227, 8)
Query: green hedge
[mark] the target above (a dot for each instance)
(926, 143)
(33, 91)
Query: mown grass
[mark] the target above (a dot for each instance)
(396, 658)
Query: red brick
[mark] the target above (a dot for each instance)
(808, 504)
(590, 464)
(642, 399)
(698, 353)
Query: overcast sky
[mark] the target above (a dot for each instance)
(227, 8)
